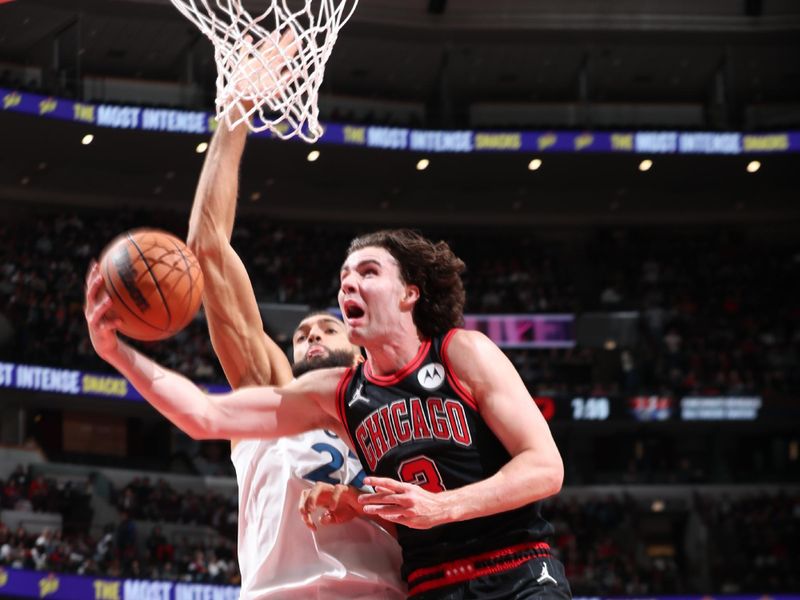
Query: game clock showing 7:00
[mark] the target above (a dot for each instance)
(590, 409)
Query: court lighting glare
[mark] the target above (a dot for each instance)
(753, 166)
(87, 139)
(535, 164)
(312, 156)
(201, 147)
(422, 164)
(645, 165)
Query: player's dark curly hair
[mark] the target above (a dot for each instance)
(433, 268)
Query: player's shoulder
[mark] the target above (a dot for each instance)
(473, 358)
(321, 382)
(465, 343)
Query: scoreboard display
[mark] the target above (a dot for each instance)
(655, 408)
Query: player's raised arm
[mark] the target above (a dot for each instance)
(247, 355)
(254, 412)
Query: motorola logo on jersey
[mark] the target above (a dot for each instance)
(431, 376)
(409, 420)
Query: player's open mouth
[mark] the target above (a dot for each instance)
(353, 310)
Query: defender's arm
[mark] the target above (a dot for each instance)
(247, 355)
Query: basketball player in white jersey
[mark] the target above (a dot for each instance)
(279, 557)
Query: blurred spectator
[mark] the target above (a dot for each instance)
(126, 538)
(161, 551)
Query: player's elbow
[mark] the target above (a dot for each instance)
(197, 430)
(198, 435)
(201, 425)
(554, 475)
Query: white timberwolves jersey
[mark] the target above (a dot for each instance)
(279, 557)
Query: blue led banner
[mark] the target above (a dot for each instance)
(38, 584)
(419, 140)
(37, 378)
(41, 585)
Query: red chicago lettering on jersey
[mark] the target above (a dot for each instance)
(422, 430)
(458, 422)
(400, 421)
(407, 420)
(376, 434)
(387, 426)
(366, 448)
(438, 418)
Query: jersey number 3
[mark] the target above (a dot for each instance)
(421, 471)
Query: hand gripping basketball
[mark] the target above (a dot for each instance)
(154, 281)
(102, 325)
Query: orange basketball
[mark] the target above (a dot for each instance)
(154, 281)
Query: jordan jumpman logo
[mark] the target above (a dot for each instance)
(545, 576)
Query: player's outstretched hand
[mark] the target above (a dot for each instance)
(264, 68)
(339, 503)
(405, 503)
(102, 325)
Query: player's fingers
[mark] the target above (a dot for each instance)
(91, 277)
(90, 302)
(242, 53)
(387, 483)
(97, 317)
(390, 513)
(308, 500)
(328, 518)
(392, 499)
(305, 514)
(336, 496)
(95, 284)
(268, 48)
(279, 53)
(320, 495)
(388, 499)
(302, 503)
(383, 490)
(287, 76)
(92, 267)
(288, 43)
(108, 325)
(371, 498)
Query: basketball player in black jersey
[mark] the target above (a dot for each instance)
(459, 454)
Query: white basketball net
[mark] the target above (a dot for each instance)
(270, 66)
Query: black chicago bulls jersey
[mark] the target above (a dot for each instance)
(421, 426)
